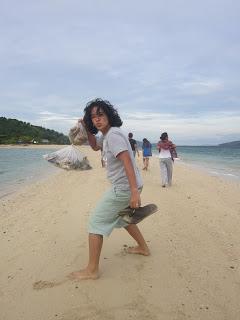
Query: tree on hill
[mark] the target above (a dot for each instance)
(14, 131)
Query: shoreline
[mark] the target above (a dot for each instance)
(13, 189)
(15, 181)
(211, 171)
(216, 170)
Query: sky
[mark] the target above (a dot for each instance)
(165, 65)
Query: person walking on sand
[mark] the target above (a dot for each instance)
(126, 182)
(133, 144)
(167, 152)
(147, 152)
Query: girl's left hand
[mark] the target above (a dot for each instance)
(135, 200)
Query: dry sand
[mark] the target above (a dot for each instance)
(193, 271)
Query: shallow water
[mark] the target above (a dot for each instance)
(221, 161)
(20, 166)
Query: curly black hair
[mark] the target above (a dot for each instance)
(105, 106)
(164, 136)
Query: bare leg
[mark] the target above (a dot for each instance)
(91, 271)
(147, 163)
(142, 247)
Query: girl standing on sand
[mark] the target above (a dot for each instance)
(126, 183)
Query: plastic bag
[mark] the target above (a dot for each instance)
(78, 135)
(68, 158)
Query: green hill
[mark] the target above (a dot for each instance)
(232, 144)
(14, 131)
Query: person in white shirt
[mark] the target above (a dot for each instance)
(166, 148)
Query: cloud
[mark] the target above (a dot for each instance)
(210, 127)
(201, 87)
(167, 67)
(59, 122)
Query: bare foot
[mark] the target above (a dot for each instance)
(84, 274)
(138, 250)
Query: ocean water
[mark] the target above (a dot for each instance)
(20, 166)
(216, 160)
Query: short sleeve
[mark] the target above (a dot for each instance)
(117, 143)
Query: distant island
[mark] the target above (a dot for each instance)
(233, 144)
(13, 131)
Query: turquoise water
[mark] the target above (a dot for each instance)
(222, 161)
(20, 166)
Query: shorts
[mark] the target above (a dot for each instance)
(105, 217)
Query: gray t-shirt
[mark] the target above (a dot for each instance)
(112, 143)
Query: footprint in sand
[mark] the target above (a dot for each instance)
(38, 285)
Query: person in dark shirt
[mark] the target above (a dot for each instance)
(133, 144)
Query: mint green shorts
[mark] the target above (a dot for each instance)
(105, 217)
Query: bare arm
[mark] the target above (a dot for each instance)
(135, 200)
(172, 145)
(93, 141)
